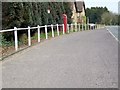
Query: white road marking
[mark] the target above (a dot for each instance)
(113, 35)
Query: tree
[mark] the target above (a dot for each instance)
(94, 14)
(109, 18)
(68, 11)
(24, 14)
(106, 18)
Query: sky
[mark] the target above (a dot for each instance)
(112, 5)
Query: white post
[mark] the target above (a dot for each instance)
(38, 33)
(79, 26)
(16, 38)
(58, 30)
(29, 37)
(88, 26)
(85, 27)
(72, 27)
(76, 27)
(82, 27)
(96, 26)
(46, 34)
(104, 25)
(68, 28)
(63, 29)
(52, 30)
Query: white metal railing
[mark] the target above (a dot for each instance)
(70, 28)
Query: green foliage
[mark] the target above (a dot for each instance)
(109, 18)
(68, 11)
(24, 39)
(24, 14)
(84, 19)
(4, 42)
(94, 14)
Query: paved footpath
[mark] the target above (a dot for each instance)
(87, 59)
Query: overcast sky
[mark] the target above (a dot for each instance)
(112, 5)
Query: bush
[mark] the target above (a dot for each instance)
(24, 39)
(4, 42)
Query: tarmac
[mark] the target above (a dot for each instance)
(87, 59)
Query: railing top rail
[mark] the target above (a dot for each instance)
(9, 30)
(22, 28)
(60, 25)
(33, 27)
(42, 26)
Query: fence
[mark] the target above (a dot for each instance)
(70, 28)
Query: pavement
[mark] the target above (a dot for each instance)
(87, 59)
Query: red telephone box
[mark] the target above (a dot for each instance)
(65, 22)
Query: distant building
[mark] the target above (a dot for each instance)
(78, 8)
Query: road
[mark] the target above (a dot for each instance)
(87, 59)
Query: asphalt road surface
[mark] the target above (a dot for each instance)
(87, 59)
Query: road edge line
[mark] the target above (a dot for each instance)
(113, 36)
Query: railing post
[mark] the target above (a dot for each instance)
(71, 27)
(58, 30)
(104, 25)
(85, 26)
(38, 33)
(79, 26)
(16, 38)
(29, 37)
(63, 29)
(46, 34)
(76, 27)
(95, 26)
(52, 30)
(88, 27)
(68, 28)
(98, 26)
(82, 27)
